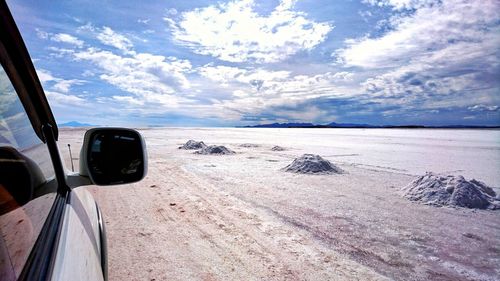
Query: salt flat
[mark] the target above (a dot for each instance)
(240, 217)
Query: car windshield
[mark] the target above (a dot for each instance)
(287, 139)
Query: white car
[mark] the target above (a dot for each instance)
(51, 229)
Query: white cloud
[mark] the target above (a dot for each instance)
(88, 27)
(482, 107)
(45, 76)
(56, 83)
(343, 75)
(365, 15)
(66, 38)
(227, 74)
(441, 54)
(157, 84)
(64, 99)
(172, 11)
(60, 52)
(109, 37)
(420, 34)
(401, 4)
(154, 78)
(129, 100)
(254, 91)
(144, 21)
(8, 96)
(88, 73)
(41, 34)
(426, 59)
(59, 37)
(65, 85)
(262, 82)
(235, 32)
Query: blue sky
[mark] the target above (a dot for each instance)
(227, 63)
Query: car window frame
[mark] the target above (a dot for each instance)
(18, 66)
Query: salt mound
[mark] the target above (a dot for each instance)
(312, 164)
(436, 190)
(215, 149)
(278, 148)
(192, 144)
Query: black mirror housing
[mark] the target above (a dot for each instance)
(113, 156)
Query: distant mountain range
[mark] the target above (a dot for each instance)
(352, 125)
(75, 124)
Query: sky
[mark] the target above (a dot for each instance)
(236, 63)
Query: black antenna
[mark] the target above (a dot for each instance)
(71, 157)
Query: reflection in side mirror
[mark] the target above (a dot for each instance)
(113, 156)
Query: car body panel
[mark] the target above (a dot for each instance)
(78, 256)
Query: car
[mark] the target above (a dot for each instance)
(51, 228)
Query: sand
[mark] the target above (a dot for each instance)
(241, 218)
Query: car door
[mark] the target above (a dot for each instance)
(30, 204)
(48, 231)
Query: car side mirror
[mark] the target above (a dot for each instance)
(113, 156)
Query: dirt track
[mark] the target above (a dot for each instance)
(179, 228)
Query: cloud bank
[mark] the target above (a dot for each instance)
(235, 32)
(246, 62)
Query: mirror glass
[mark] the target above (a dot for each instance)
(115, 156)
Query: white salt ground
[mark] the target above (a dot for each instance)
(240, 218)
